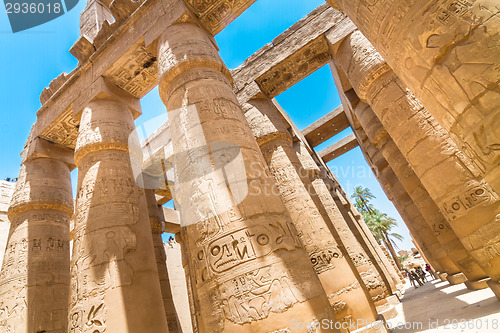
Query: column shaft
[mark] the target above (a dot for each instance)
(161, 262)
(34, 281)
(115, 284)
(375, 284)
(248, 269)
(452, 180)
(429, 210)
(450, 61)
(320, 235)
(405, 206)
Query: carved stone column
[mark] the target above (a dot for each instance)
(34, 281)
(114, 277)
(377, 287)
(324, 239)
(405, 206)
(434, 218)
(246, 262)
(364, 236)
(161, 262)
(447, 53)
(452, 180)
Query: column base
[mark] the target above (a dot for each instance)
(393, 300)
(477, 284)
(435, 274)
(375, 327)
(456, 278)
(388, 312)
(495, 286)
(442, 276)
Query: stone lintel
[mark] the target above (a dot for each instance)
(338, 148)
(102, 87)
(217, 14)
(290, 42)
(43, 148)
(326, 127)
(171, 218)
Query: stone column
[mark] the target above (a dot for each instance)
(161, 262)
(452, 180)
(34, 281)
(362, 233)
(447, 53)
(405, 206)
(248, 268)
(434, 218)
(378, 288)
(114, 277)
(325, 240)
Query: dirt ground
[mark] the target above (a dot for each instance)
(440, 307)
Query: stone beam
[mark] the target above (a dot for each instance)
(338, 148)
(293, 55)
(171, 219)
(326, 127)
(216, 15)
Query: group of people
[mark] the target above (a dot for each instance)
(417, 275)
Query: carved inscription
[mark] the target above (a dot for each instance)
(217, 14)
(322, 260)
(253, 295)
(135, 72)
(476, 194)
(294, 68)
(64, 130)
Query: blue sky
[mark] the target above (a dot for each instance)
(31, 59)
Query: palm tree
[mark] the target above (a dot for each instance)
(380, 225)
(362, 197)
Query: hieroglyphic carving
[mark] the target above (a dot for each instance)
(253, 295)
(232, 249)
(63, 131)
(135, 72)
(215, 15)
(476, 194)
(294, 68)
(322, 260)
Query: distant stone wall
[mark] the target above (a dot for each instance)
(6, 191)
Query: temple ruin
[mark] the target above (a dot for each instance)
(264, 233)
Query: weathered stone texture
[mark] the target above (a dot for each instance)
(257, 232)
(34, 280)
(6, 192)
(327, 251)
(451, 178)
(114, 276)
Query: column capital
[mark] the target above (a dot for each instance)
(103, 88)
(40, 148)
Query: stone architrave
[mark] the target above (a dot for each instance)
(161, 262)
(447, 53)
(452, 180)
(114, 278)
(435, 220)
(35, 279)
(248, 269)
(334, 261)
